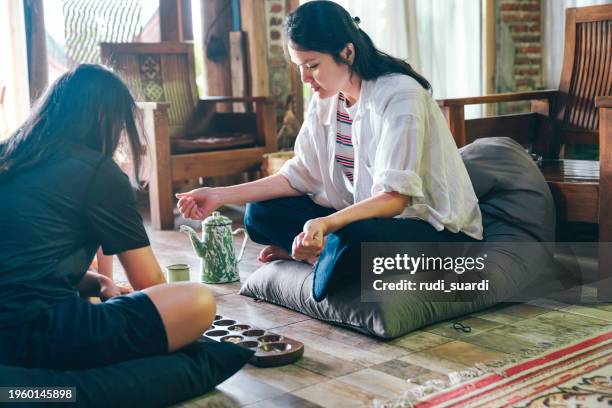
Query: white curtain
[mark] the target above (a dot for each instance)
(449, 45)
(554, 35)
(439, 38)
(14, 72)
(392, 25)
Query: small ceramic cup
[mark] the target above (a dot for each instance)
(177, 273)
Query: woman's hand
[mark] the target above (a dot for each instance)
(109, 289)
(199, 203)
(308, 244)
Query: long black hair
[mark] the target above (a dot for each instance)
(87, 106)
(326, 27)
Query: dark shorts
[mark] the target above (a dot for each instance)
(79, 334)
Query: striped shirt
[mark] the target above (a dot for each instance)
(345, 155)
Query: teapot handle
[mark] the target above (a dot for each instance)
(244, 242)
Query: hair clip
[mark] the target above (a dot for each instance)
(461, 327)
(356, 20)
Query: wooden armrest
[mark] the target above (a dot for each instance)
(603, 101)
(155, 121)
(222, 99)
(502, 97)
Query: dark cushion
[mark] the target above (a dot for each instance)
(211, 143)
(510, 186)
(148, 382)
(518, 217)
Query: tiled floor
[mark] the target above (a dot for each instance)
(342, 368)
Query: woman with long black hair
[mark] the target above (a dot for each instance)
(63, 197)
(374, 160)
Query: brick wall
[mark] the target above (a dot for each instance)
(519, 45)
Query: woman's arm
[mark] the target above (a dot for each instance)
(267, 188)
(104, 264)
(382, 205)
(199, 203)
(141, 268)
(89, 286)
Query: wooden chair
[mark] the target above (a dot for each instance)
(189, 137)
(579, 112)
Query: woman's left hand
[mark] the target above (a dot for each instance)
(109, 289)
(314, 232)
(309, 243)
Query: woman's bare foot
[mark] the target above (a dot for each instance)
(272, 253)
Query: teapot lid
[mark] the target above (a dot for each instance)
(216, 219)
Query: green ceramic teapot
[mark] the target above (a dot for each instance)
(218, 263)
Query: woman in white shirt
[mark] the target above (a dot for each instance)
(374, 160)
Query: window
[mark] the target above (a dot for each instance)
(75, 28)
(14, 90)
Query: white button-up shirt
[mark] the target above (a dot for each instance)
(402, 143)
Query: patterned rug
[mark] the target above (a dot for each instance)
(578, 375)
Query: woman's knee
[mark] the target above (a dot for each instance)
(201, 302)
(252, 214)
(257, 216)
(269, 210)
(186, 310)
(189, 301)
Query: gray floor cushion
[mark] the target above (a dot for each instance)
(518, 219)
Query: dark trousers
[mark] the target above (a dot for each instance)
(278, 221)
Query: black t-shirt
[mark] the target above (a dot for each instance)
(52, 219)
